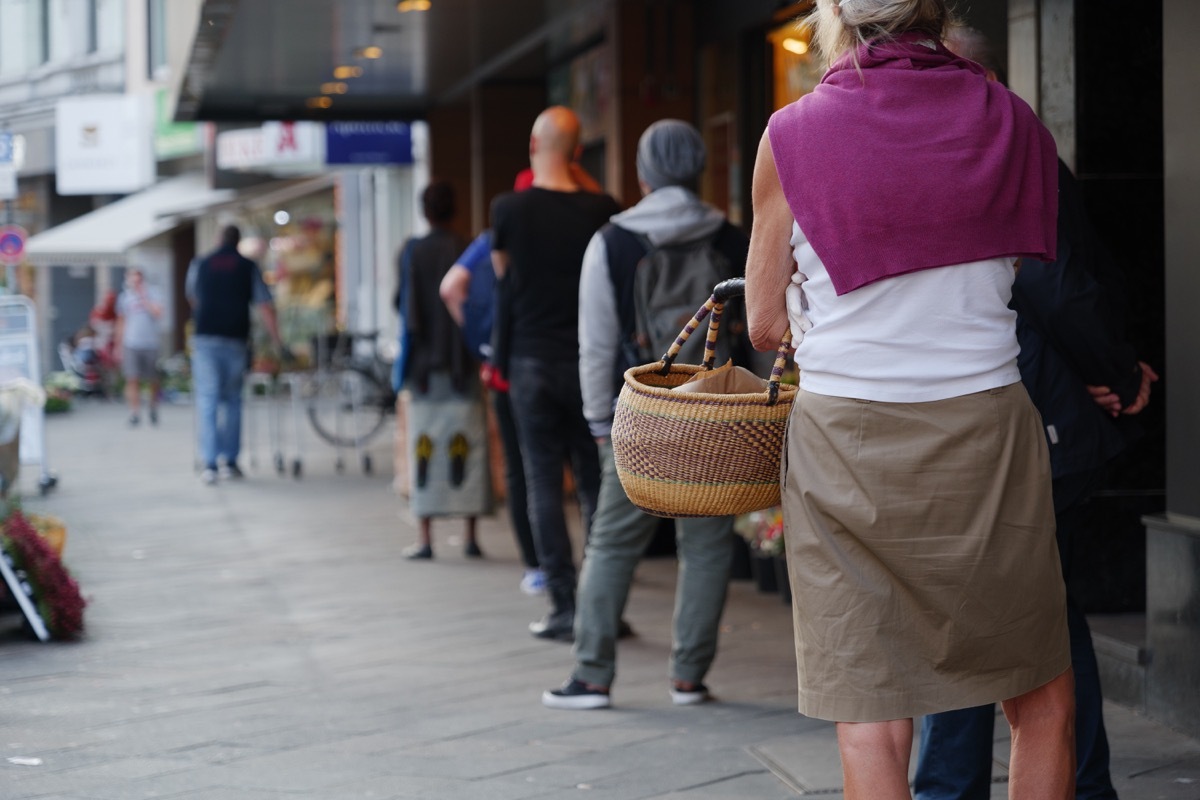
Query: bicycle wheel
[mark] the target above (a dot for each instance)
(345, 406)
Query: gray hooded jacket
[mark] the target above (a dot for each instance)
(667, 215)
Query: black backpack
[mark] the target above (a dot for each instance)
(668, 284)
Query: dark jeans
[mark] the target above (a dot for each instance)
(548, 409)
(955, 758)
(514, 478)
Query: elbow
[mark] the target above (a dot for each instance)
(766, 331)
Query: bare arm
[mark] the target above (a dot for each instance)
(271, 322)
(500, 262)
(453, 290)
(118, 336)
(769, 264)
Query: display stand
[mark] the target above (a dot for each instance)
(21, 589)
(19, 359)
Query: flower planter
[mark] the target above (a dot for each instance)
(52, 529)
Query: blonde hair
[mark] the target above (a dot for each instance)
(842, 25)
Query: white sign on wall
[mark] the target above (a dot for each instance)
(104, 143)
(286, 145)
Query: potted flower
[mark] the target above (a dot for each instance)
(49, 585)
(763, 530)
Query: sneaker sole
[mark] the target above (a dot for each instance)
(577, 702)
(689, 698)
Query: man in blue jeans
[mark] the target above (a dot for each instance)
(1087, 383)
(222, 287)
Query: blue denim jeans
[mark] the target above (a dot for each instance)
(548, 410)
(218, 371)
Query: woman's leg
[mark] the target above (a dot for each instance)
(1042, 765)
(875, 758)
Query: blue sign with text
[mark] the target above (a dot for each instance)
(368, 143)
(6, 148)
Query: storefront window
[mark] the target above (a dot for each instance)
(299, 263)
(22, 41)
(157, 38)
(796, 67)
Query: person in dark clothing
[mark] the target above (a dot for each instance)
(539, 237)
(222, 287)
(447, 426)
(1086, 383)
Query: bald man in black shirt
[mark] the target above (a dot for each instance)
(539, 237)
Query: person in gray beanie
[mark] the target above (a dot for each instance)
(670, 160)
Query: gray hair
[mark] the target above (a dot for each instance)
(842, 25)
(670, 153)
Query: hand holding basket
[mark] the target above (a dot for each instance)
(700, 454)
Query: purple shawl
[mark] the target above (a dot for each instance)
(919, 162)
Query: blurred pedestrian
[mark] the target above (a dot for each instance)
(670, 157)
(447, 424)
(891, 205)
(223, 287)
(138, 339)
(539, 237)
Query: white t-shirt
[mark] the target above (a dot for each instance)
(928, 335)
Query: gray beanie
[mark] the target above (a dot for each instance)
(670, 153)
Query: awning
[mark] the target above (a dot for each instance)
(107, 234)
(257, 196)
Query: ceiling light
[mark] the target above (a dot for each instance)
(797, 46)
(342, 73)
(413, 5)
(371, 52)
(319, 102)
(334, 88)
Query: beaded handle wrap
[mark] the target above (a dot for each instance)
(715, 305)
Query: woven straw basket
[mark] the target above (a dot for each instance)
(684, 454)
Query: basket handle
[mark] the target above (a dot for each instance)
(715, 305)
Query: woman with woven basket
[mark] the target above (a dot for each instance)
(891, 207)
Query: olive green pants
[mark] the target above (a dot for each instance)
(619, 536)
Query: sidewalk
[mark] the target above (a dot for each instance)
(266, 639)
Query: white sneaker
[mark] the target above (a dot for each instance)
(576, 695)
(534, 582)
(209, 477)
(231, 472)
(697, 694)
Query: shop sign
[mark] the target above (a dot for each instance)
(272, 145)
(368, 143)
(104, 144)
(173, 139)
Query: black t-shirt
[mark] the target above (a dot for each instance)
(544, 233)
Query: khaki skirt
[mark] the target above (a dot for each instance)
(920, 544)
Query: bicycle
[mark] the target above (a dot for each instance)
(349, 396)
